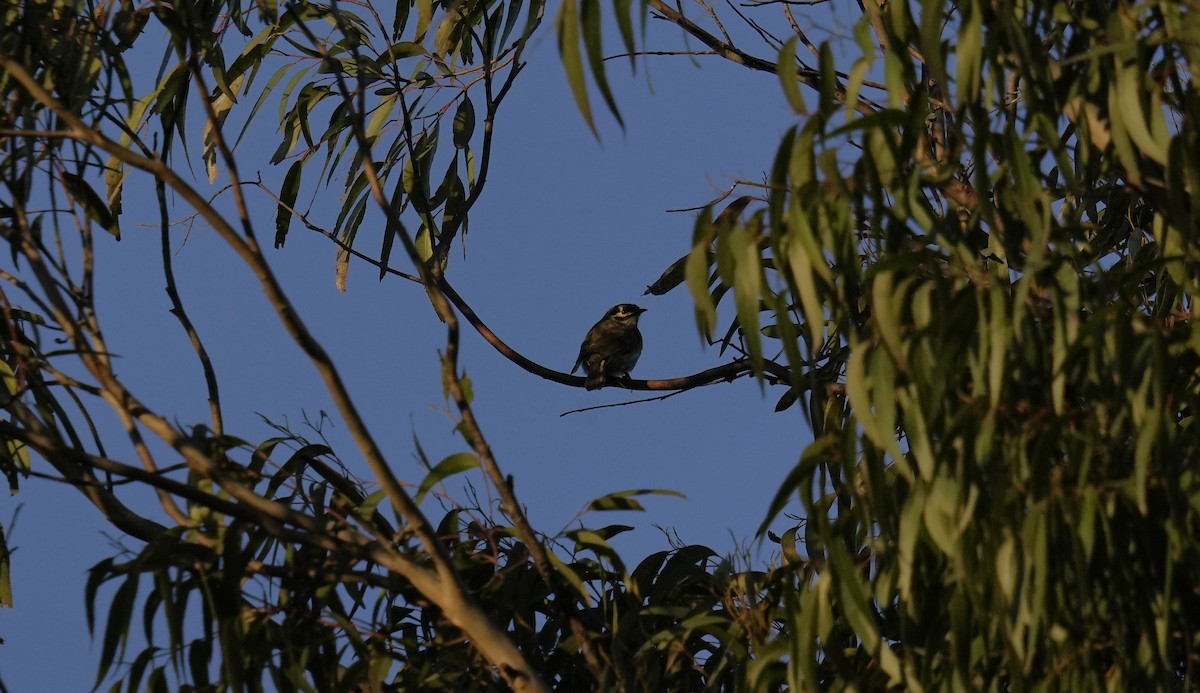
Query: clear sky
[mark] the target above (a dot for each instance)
(567, 227)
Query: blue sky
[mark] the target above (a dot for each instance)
(568, 227)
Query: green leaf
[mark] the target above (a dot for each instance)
(400, 18)
(787, 546)
(641, 580)
(468, 390)
(415, 174)
(887, 312)
(222, 101)
(1131, 85)
(590, 19)
(380, 117)
(342, 261)
(567, 25)
(597, 539)
(14, 461)
(6, 593)
(404, 49)
(930, 41)
(853, 596)
(114, 181)
(424, 17)
(696, 271)
(748, 285)
(623, 11)
(787, 400)
(424, 244)
(116, 631)
(393, 227)
(264, 92)
(624, 500)
(968, 53)
(864, 36)
(286, 208)
(97, 576)
(454, 464)
(379, 668)
(454, 195)
(789, 77)
(93, 205)
(464, 123)
(940, 514)
(671, 277)
(366, 509)
(911, 524)
(687, 565)
(295, 466)
(133, 678)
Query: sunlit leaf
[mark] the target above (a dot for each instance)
(788, 78)
(590, 19)
(567, 25)
(696, 270)
(454, 464)
(464, 123)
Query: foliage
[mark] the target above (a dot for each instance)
(972, 265)
(986, 305)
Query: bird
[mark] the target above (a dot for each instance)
(612, 346)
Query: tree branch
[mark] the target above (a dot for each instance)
(451, 594)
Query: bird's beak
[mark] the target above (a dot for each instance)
(641, 310)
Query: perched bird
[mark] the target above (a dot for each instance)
(612, 346)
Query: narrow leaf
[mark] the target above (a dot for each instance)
(572, 59)
(116, 631)
(454, 464)
(788, 77)
(624, 500)
(6, 594)
(92, 203)
(464, 123)
(590, 19)
(287, 202)
(696, 271)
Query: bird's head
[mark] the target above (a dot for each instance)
(625, 313)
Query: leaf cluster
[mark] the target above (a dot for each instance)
(978, 272)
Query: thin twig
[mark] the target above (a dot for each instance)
(643, 400)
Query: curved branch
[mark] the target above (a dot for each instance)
(724, 372)
(180, 313)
